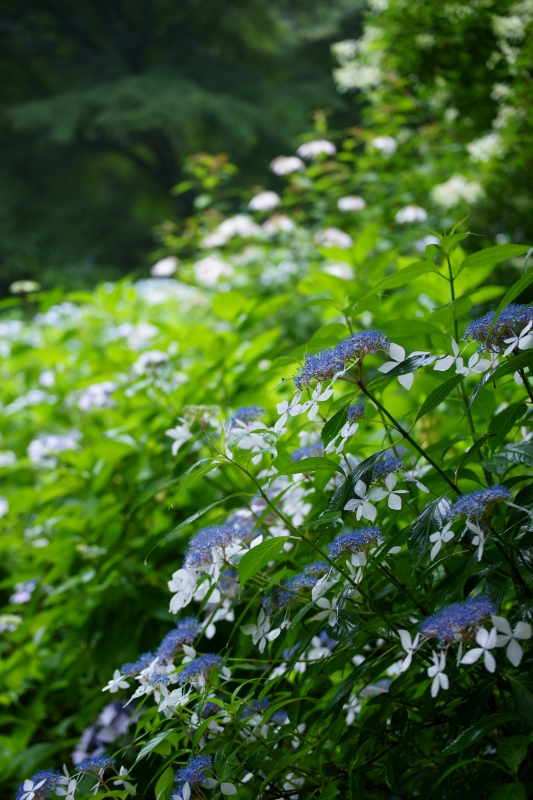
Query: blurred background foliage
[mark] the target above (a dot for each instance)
(102, 101)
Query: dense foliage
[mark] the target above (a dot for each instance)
(266, 516)
(344, 528)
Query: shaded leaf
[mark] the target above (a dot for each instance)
(494, 255)
(156, 740)
(259, 556)
(477, 731)
(438, 395)
(311, 465)
(502, 423)
(362, 472)
(432, 519)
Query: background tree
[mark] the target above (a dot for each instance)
(101, 102)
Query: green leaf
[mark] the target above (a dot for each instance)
(518, 453)
(522, 691)
(338, 699)
(362, 472)
(513, 750)
(494, 255)
(311, 465)
(438, 395)
(411, 364)
(156, 740)
(509, 791)
(391, 772)
(509, 367)
(514, 292)
(334, 425)
(197, 471)
(502, 423)
(403, 276)
(432, 518)
(477, 731)
(259, 556)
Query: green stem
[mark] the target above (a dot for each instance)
(408, 438)
(527, 385)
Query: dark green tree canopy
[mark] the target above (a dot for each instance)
(101, 102)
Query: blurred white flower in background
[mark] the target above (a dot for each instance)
(279, 223)
(342, 271)
(264, 201)
(334, 237)
(422, 243)
(385, 144)
(351, 203)
(411, 214)
(484, 148)
(165, 267)
(457, 188)
(316, 148)
(209, 270)
(239, 225)
(284, 165)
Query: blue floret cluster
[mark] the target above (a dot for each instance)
(200, 548)
(283, 596)
(192, 773)
(185, 632)
(325, 364)
(48, 778)
(245, 415)
(460, 619)
(477, 505)
(511, 321)
(353, 541)
(386, 466)
(355, 412)
(200, 666)
(95, 764)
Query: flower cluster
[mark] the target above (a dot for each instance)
(506, 332)
(459, 621)
(326, 364)
(478, 505)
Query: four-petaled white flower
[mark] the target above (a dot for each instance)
(30, 789)
(478, 539)
(395, 501)
(117, 682)
(439, 538)
(362, 501)
(440, 679)
(261, 633)
(123, 773)
(524, 340)
(409, 645)
(317, 397)
(487, 642)
(506, 636)
(475, 362)
(330, 610)
(397, 353)
(286, 409)
(347, 430)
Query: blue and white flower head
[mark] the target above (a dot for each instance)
(191, 776)
(354, 413)
(508, 331)
(459, 621)
(197, 672)
(38, 786)
(355, 544)
(478, 505)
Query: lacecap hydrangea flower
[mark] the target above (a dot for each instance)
(459, 620)
(478, 505)
(326, 364)
(505, 330)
